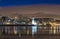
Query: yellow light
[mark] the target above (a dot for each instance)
(39, 24)
(53, 24)
(8, 23)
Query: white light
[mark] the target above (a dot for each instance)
(15, 32)
(33, 22)
(57, 24)
(16, 17)
(8, 20)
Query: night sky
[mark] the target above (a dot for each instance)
(27, 2)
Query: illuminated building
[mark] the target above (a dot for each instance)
(42, 26)
(34, 28)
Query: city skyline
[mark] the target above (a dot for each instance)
(44, 8)
(32, 10)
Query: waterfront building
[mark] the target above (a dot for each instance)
(42, 26)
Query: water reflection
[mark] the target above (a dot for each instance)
(30, 30)
(34, 30)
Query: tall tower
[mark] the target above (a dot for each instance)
(33, 21)
(34, 28)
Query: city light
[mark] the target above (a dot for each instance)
(53, 23)
(16, 17)
(15, 32)
(40, 26)
(8, 23)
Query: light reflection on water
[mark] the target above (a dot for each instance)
(35, 29)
